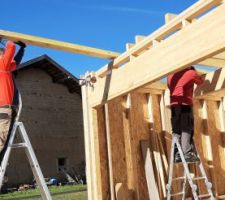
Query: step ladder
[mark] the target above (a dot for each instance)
(29, 152)
(187, 176)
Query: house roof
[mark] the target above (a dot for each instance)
(57, 72)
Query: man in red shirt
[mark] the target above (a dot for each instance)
(7, 87)
(181, 85)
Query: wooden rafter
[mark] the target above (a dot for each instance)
(216, 61)
(171, 55)
(59, 45)
(194, 11)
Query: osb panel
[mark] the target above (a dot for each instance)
(139, 130)
(129, 151)
(200, 132)
(115, 109)
(102, 157)
(217, 150)
(130, 124)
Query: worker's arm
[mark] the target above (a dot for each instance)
(20, 53)
(197, 78)
(8, 54)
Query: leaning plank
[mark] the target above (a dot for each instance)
(54, 44)
(173, 54)
(149, 172)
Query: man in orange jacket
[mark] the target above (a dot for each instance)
(7, 87)
(181, 85)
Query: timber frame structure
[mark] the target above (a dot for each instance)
(126, 117)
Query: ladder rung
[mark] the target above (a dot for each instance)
(193, 162)
(199, 178)
(18, 145)
(204, 195)
(177, 194)
(179, 178)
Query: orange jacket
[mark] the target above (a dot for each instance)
(7, 65)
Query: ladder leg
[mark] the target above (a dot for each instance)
(192, 185)
(169, 185)
(34, 164)
(207, 183)
(7, 154)
(184, 186)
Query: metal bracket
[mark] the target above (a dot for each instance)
(89, 80)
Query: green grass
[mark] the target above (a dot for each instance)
(68, 192)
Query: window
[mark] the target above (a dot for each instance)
(62, 163)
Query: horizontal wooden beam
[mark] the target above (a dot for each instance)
(192, 12)
(191, 46)
(216, 61)
(153, 88)
(59, 45)
(213, 62)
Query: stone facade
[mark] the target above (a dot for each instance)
(53, 120)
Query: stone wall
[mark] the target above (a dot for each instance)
(53, 119)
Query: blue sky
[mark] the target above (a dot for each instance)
(108, 24)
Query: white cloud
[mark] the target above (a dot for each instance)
(125, 9)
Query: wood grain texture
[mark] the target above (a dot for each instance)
(59, 45)
(178, 51)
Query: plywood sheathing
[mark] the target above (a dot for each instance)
(138, 110)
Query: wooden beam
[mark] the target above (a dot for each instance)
(89, 143)
(214, 85)
(213, 62)
(59, 45)
(216, 61)
(195, 10)
(129, 45)
(169, 17)
(171, 55)
(139, 38)
(153, 88)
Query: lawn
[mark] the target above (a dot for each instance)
(69, 192)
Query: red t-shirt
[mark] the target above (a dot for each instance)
(7, 65)
(181, 85)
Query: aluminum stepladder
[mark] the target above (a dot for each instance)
(45, 194)
(187, 176)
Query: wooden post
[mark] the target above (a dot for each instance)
(109, 149)
(87, 140)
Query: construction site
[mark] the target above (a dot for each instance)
(127, 114)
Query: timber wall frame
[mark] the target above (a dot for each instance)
(127, 123)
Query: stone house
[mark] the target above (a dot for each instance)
(52, 116)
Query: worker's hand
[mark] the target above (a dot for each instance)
(21, 44)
